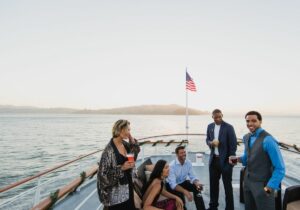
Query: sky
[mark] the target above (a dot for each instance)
(242, 55)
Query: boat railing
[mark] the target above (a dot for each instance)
(43, 187)
(146, 144)
(23, 181)
(72, 186)
(289, 147)
(34, 188)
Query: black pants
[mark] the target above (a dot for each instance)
(192, 188)
(215, 173)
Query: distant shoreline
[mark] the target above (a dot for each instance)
(131, 110)
(172, 109)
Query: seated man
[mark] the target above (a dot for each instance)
(181, 180)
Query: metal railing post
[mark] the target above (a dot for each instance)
(37, 192)
(143, 153)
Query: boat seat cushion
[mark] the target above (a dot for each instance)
(140, 179)
(148, 173)
(137, 201)
(149, 167)
(291, 194)
(293, 205)
(138, 186)
(141, 170)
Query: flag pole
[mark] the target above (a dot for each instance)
(190, 85)
(186, 112)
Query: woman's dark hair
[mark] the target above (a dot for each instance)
(259, 117)
(156, 173)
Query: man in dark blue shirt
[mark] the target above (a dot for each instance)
(264, 165)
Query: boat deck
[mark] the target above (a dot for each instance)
(86, 196)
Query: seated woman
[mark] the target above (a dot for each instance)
(155, 187)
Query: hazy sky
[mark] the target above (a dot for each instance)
(99, 54)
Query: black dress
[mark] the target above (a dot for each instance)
(129, 204)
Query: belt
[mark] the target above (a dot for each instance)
(216, 156)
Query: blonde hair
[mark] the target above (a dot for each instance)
(118, 127)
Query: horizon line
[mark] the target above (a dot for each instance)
(227, 113)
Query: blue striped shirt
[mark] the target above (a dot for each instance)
(179, 173)
(270, 146)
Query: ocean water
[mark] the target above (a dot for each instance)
(30, 143)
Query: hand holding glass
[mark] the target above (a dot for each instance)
(130, 157)
(199, 188)
(233, 160)
(215, 142)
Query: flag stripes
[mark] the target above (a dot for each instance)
(190, 85)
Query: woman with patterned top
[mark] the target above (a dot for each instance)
(114, 184)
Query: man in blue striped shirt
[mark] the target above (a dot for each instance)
(182, 181)
(265, 168)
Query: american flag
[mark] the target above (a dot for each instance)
(190, 85)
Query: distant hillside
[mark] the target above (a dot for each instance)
(30, 109)
(147, 110)
(143, 110)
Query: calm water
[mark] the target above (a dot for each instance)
(31, 143)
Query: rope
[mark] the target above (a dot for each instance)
(158, 141)
(183, 142)
(170, 142)
(144, 142)
(54, 198)
(154, 143)
(83, 177)
(92, 175)
(290, 148)
(283, 145)
(296, 148)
